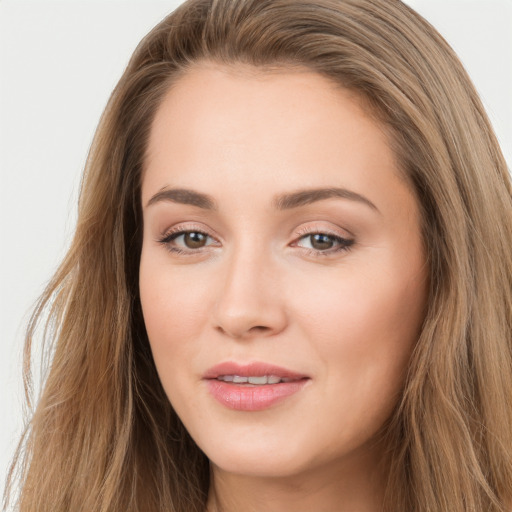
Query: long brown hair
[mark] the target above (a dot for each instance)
(103, 435)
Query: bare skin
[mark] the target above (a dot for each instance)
(327, 489)
(332, 288)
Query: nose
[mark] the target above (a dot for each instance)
(250, 302)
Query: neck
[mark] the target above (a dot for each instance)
(348, 486)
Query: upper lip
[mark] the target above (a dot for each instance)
(254, 369)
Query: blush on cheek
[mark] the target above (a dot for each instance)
(173, 302)
(372, 319)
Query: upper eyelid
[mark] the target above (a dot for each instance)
(327, 231)
(298, 235)
(303, 231)
(185, 229)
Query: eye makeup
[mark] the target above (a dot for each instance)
(315, 242)
(322, 238)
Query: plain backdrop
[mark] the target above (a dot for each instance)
(59, 61)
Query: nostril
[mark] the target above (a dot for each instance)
(242, 334)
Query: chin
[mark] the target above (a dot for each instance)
(259, 465)
(270, 460)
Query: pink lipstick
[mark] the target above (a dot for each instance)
(252, 387)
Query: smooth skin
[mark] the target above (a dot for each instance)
(334, 289)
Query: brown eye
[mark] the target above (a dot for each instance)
(321, 242)
(194, 239)
(189, 242)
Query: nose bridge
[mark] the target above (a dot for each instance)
(249, 301)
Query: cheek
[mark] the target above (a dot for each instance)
(365, 325)
(363, 309)
(175, 310)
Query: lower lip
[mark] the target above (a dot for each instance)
(252, 398)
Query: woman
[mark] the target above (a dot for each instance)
(283, 291)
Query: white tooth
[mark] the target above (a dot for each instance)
(258, 380)
(227, 378)
(273, 379)
(239, 380)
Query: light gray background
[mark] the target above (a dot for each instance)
(59, 61)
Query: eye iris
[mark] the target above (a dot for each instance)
(321, 242)
(194, 240)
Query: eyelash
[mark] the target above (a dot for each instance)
(343, 244)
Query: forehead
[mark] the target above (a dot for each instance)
(240, 128)
(214, 93)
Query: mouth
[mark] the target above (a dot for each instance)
(253, 373)
(252, 380)
(254, 386)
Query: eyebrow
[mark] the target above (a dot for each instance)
(308, 196)
(285, 201)
(184, 196)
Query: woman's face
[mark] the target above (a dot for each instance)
(282, 277)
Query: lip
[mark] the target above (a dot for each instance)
(244, 397)
(256, 369)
